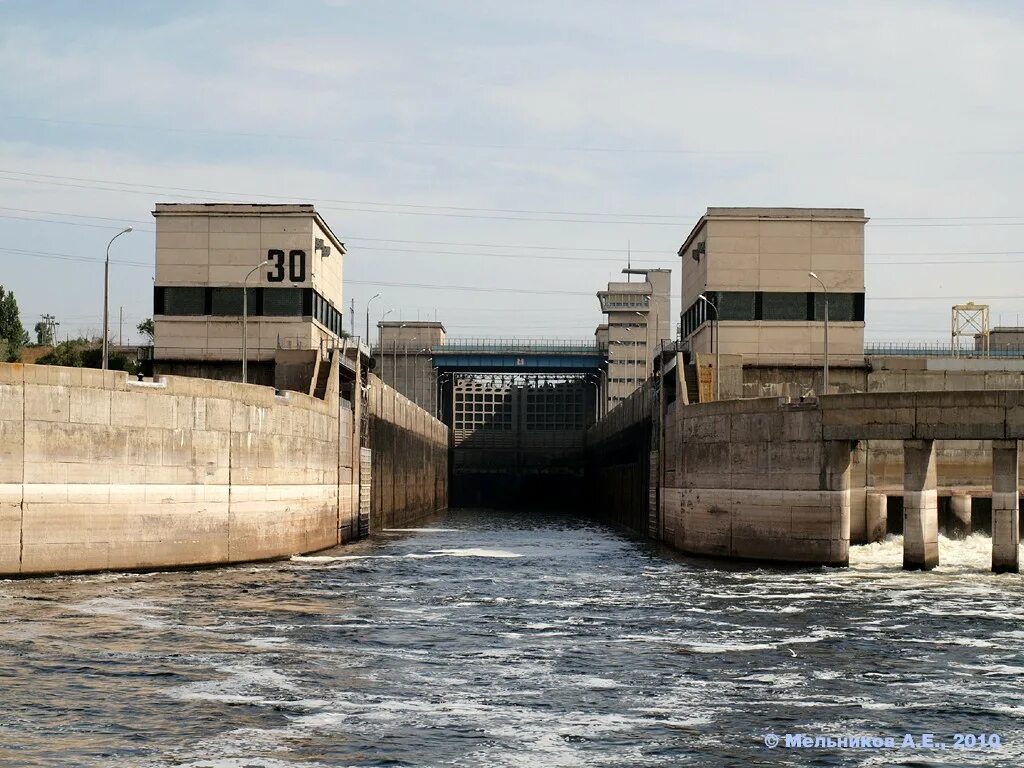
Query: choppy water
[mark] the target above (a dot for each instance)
(511, 641)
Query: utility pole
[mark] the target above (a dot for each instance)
(120, 328)
(51, 325)
(352, 315)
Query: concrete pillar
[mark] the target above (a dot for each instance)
(837, 485)
(876, 521)
(920, 506)
(960, 509)
(1005, 515)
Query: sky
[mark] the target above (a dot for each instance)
(491, 163)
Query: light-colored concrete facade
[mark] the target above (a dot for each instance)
(203, 254)
(102, 472)
(754, 263)
(403, 360)
(638, 319)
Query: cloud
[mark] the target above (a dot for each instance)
(877, 105)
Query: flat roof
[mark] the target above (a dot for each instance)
(410, 324)
(774, 214)
(249, 209)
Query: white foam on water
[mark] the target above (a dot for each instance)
(420, 530)
(729, 647)
(268, 643)
(973, 553)
(469, 552)
(339, 558)
(136, 612)
(247, 683)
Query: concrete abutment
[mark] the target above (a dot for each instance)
(920, 506)
(1005, 506)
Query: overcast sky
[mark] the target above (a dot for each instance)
(514, 145)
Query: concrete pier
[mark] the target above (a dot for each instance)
(1005, 502)
(875, 513)
(920, 506)
(960, 509)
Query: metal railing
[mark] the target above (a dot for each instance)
(492, 345)
(934, 349)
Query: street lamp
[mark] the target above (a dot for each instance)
(824, 388)
(106, 297)
(245, 321)
(375, 296)
(380, 327)
(717, 346)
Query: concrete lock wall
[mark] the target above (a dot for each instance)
(618, 463)
(98, 471)
(754, 479)
(409, 476)
(102, 472)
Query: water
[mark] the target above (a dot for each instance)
(497, 640)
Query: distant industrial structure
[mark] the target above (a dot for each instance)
(403, 358)
(637, 322)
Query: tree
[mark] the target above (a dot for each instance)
(44, 334)
(146, 328)
(13, 335)
(83, 353)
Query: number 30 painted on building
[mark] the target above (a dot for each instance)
(296, 266)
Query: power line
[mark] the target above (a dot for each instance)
(464, 211)
(348, 140)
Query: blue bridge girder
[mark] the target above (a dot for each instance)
(511, 355)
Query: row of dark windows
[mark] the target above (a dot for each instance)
(263, 302)
(764, 305)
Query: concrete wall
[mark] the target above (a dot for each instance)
(751, 479)
(98, 471)
(619, 451)
(409, 477)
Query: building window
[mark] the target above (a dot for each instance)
(734, 305)
(842, 307)
(784, 306)
(183, 301)
(282, 302)
(227, 301)
(798, 307)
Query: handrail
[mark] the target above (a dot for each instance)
(586, 346)
(934, 349)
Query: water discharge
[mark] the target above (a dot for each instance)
(511, 640)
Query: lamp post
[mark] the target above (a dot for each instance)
(824, 386)
(380, 328)
(245, 320)
(717, 344)
(375, 296)
(106, 297)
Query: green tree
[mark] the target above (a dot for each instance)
(13, 335)
(82, 353)
(146, 329)
(44, 334)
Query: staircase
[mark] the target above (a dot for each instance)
(692, 387)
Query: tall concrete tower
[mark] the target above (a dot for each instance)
(637, 321)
